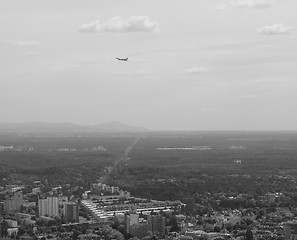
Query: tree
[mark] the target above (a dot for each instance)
(134, 238)
(116, 222)
(110, 233)
(249, 234)
(75, 234)
(121, 229)
(216, 229)
(173, 222)
(4, 227)
(21, 231)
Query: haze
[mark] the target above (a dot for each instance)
(193, 65)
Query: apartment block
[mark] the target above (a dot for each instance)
(48, 207)
(70, 211)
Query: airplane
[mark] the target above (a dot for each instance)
(122, 59)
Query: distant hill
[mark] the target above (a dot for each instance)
(40, 127)
(118, 126)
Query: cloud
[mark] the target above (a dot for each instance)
(141, 74)
(138, 59)
(256, 4)
(30, 54)
(25, 43)
(196, 70)
(251, 3)
(222, 7)
(21, 43)
(6, 41)
(119, 24)
(275, 29)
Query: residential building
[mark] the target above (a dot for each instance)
(139, 230)
(290, 230)
(131, 219)
(14, 203)
(48, 206)
(124, 194)
(157, 223)
(71, 211)
(11, 223)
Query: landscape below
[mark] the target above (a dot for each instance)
(162, 165)
(205, 171)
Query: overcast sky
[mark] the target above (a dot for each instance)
(193, 65)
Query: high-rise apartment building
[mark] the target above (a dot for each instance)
(131, 219)
(139, 230)
(70, 211)
(14, 203)
(158, 224)
(48, 206)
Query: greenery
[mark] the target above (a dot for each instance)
(173, 174)
(53, 166)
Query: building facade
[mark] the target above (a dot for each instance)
(14, 203)
(48, 207)
(70, 211)
(290, 230)
(140, 230)
(158, 224)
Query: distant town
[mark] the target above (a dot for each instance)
(30, 213)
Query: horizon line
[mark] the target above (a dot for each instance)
(155, 130)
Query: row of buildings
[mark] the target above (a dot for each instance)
(49, 207)
(140, 227)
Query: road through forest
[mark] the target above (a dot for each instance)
(121, 159)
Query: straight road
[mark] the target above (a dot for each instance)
(122, 159)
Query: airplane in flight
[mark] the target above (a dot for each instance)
(122, 59)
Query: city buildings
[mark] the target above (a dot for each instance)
(157, 223)
(14, 203)
(131, 219)
(141, 230)
(48, 207)
(290, 230)
(70, 211)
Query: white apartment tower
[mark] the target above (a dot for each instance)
(48, 206)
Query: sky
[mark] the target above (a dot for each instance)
(193, 65)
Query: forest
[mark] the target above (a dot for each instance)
(177, 165)
(56, 160)
(162, 165)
